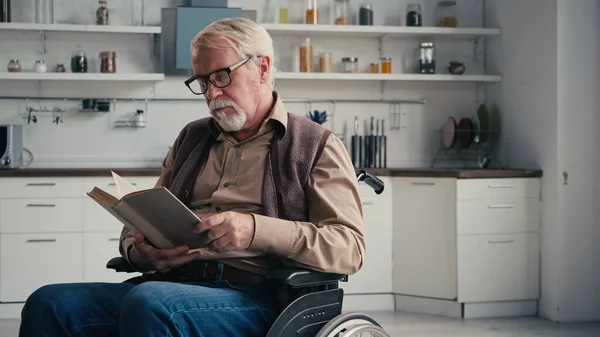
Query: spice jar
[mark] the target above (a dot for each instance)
(13, 66)
(306, 57)
(374, 67)
(341, 12)
(108, 63)
(427, 58)
(312, 13)
(60, 68)
(40, 66)
(325, 63)
(413, 15)
(365, 15)
(102, 14)
(79, 63)
(350, 64)
(446, 14)
(386, 65)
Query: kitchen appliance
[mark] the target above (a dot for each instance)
(11, 146)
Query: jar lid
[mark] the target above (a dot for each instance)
(108, 54)
(39, 61)
(350, 59)
(426, 44)
(14, 61)
(374, 64)
(386, 59)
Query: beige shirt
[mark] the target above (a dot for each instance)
(232, 180)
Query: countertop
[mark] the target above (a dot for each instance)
(388, 172)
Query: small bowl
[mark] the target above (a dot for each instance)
(456, 68)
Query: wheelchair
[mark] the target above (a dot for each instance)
(314, 306)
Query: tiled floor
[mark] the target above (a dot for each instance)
(408, 325)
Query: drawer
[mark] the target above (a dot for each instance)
(498, 216)
(107, 184)
(30, 261)
(98, 220)
(498, 267)
(97, 250)
(468, 189)
(41, 215)
(40, 187)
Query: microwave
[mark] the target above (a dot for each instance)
(11, 146)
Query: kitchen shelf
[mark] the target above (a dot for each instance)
(380, 31)
(132, 77)
(387, 77)
(81, 28)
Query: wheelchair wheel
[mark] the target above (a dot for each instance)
(350, 324)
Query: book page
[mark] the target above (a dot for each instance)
(123, 186)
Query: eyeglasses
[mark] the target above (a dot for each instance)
(220, 78)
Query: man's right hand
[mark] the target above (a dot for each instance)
(145, 256)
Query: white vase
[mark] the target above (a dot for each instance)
(40, 66)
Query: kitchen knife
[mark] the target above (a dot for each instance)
(355, 146)
(383, 144)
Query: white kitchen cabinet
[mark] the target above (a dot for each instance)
(466, 240)
(98, 248)
(375, 276)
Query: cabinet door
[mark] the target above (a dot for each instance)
(375, 276)
(98, 249)
(424, 237)
(500, 267)
(30, 261)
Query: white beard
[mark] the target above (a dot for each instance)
(228, 123)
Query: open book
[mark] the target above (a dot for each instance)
(156, 213)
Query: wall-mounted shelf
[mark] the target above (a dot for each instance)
(380, 31)
(387, 77)
(130, 77)
(81, 28)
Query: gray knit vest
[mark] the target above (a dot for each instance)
(291, 159)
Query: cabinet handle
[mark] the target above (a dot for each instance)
(505, 241)
(367, 203)
(41, 205)
(500, 186)
(423, 183)
(114, 239)
(41, 184)
(501, 206)
(40, 240)
(113, 184)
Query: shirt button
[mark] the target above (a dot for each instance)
(218, 209)
(237, 147)
(226, 184)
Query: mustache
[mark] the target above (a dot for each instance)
(222, 103)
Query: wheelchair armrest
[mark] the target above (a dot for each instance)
(120, 265)
(298, 278)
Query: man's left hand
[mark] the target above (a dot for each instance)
(227, 231)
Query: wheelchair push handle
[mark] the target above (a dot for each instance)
(371, 180)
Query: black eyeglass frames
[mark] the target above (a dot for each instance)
(220, 78)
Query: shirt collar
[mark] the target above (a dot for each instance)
(278, 116)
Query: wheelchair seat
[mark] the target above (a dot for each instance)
(313, 307)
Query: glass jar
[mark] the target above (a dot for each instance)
(374, 67)
(13, 66)
(108, 63)
(350, 64)
(284, 7)
(427, 58)
(365, 15)
(341, 12)
(325, 63)
(312, 13)
(44, 11)
(306, 57)
(79, 62)
(102, 14)
(386, 65)
(60, 68)
(446, 14)
(40, 66)
(413, 15)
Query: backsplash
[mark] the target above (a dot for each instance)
(86, 139)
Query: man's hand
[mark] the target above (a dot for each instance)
(227, 231)
(148, 257)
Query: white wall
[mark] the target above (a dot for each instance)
(72, 143)
(547, 55)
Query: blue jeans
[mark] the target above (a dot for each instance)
(149, 309)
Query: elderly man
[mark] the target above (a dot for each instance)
(272, 189)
